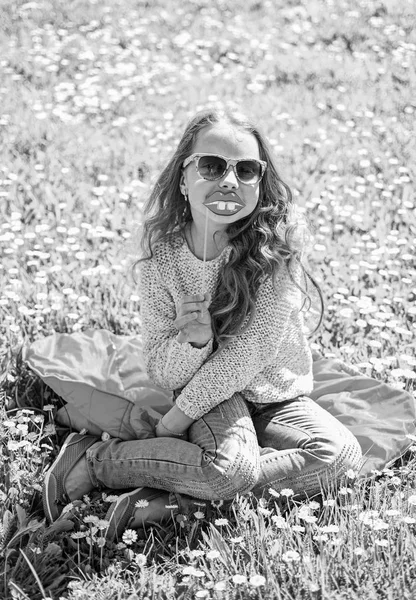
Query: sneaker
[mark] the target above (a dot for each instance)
(53, 491)
(121, 512)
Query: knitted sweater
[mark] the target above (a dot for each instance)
(270, 362)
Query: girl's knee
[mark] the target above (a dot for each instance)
(236, 476)
(339, 448)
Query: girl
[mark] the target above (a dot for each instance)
(222, 293)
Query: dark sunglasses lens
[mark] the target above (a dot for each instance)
(211, 167)
(248, 171)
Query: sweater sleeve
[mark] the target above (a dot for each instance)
(170, 365)
(276, 322)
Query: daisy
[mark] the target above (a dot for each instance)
(257, 580)
(129, 537)
(287, 492)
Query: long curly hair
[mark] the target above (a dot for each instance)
(262, 243)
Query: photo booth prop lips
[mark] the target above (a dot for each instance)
(224, 203)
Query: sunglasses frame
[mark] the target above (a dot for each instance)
(229, 161)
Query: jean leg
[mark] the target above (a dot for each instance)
(303, 447)
(220, 459)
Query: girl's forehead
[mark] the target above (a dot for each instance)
(227, 140)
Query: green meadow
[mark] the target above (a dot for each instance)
(94, 96)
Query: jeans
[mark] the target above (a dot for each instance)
(236, 447)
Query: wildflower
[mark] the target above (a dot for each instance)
(237, 540)
(171, 506)
(48, 407)
(203, 504)
(264, 511)
(298, 528)
(395, 480)
(220, 586)
(67, 508)
(329, 502)
(344, 491)
(140, 560)
(291, 556)
(100, 542)
(221, 522)
(409, 520)
(321, 537)
(196, 553)
(213, 554)
(129, 537)
(382, 543)
(314, 505)
(193, 571)
(102, 524)
(202, 594)
(91, 519)
(280, 522)
(359, 552)
(379, 525)
(351, 474)
(120, 546)
(110, 498)
(239, 579)
(273, 492)
(199, 514)
(78, 535)
(330, 529)
(287, 492)
(304, 514)
(308, 518)
(257, 580)
(392, 512)
(142, 503)
(352, 507)
(412, 500)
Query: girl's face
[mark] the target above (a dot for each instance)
(227, 199)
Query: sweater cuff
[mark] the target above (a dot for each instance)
(201, 353)
(189, 408)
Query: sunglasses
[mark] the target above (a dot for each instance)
(215, 166)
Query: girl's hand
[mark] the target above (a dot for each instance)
(193, 320)
(174, 424)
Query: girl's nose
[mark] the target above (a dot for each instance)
(229, 180)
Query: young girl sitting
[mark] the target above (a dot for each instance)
(222, 297)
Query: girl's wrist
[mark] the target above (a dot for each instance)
(176, 420)
(161, 425)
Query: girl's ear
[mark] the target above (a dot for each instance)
(182, 184)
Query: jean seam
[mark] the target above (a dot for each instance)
(291, 427)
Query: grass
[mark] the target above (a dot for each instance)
(94, 96)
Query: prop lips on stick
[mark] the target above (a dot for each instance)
(219, 203)
(205, 252)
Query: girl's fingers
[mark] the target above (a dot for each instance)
(191, 307)
(193, 298)
(183, 320)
